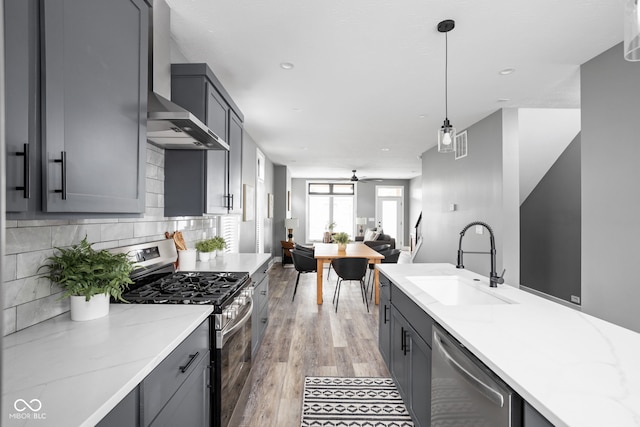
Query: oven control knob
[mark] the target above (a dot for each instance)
(230, 312)
(241, 300)
(247, 292)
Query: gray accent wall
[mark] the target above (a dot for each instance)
(610, 96)
(550, 232)
(474, 184)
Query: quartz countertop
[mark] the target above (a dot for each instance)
(234, 262)
(74, 373)
(575, 369)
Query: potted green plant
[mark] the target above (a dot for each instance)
(341, 239)
(206, 249)
(89, 277)
(220, 244)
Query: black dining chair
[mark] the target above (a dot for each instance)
(350, 269)
(303, 262)
(391, 256)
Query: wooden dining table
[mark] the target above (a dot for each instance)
(325, 252)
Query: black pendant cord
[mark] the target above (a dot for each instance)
(446, 82)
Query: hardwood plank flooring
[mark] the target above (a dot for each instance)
(305, 339)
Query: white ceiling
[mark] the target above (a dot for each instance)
(369, 74)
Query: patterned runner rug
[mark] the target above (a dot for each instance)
(352, 402)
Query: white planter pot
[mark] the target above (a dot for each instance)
(220, 252)
(96, 307)
(204, 256)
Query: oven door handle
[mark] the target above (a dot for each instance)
(224, 335)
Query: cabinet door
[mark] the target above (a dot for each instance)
(235, 162)
(419, 355)
(125, 414)
(21, 84)
(190, 406)
(94, 96)
(384, 324)
(217, 161)
(399, 365)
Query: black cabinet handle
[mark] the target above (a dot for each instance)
(402, 339)
(264, 320)
(63, 164)
(229, 198)
(263, 292)
(26, 188)
(385, 319)
(192, 357)
(406, 341)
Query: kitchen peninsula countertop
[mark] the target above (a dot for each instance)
(234, 262)
(575, 369)
(79, 371)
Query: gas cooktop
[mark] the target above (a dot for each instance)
(189, 287)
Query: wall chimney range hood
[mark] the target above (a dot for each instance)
(168, 125)
(172, 127)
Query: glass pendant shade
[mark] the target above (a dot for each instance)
(446, 138)
(631, 30)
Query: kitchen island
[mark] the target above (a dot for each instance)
(73, 373)
(575, 369)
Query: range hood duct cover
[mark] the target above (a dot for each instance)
(172, 127)
(168, 125)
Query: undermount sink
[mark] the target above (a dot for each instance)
(454, 290)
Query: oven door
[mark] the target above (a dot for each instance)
(234, 363)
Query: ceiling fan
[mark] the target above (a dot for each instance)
(354, 178)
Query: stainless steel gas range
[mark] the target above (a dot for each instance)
(230, 293)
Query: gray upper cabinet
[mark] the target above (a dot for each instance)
(195, 88)
(80, 82)
(22, 86)
(95, 63)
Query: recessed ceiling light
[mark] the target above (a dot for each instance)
(286, 65)
(503, 100)
(506, 71)
(422, 116)
(384, 149)
(297, 109)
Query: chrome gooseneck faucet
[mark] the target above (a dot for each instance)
(494, 279)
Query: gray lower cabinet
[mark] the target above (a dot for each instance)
(175, 393)
(411, 368)
(533, 418)
(195, 88)
(260, 316)
(80, 86)
(405, 338)
(384, 320)
(126, 413)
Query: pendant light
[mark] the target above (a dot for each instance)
(631, 30)
(447, 133)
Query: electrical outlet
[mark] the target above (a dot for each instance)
(575, 299)
(452, 207)
(479, 229)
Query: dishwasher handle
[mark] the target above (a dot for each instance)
(484, 389)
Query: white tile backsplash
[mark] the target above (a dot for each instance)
(30, 299)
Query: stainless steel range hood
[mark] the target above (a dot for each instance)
(172, 127)
(168, 125)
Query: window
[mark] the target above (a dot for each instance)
(329, 203)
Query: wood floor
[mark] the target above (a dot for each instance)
(306, 339)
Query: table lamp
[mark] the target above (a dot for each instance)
(361, 221)
(290, 224)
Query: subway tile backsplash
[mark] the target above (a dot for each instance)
(30, 299)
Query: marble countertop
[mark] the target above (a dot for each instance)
(575, 369)
(74, 373)
(234, 262)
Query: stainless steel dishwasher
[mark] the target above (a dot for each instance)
(466, 393)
